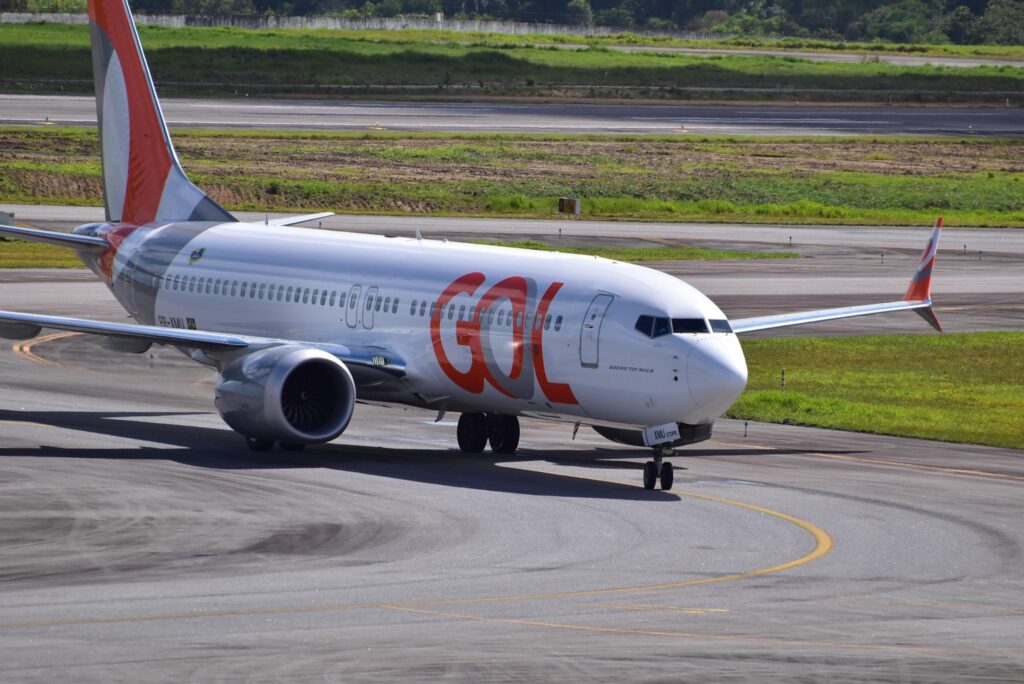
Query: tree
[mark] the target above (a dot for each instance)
(579, 12)
(1002, 23)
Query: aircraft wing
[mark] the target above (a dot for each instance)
(25, 326)
(296, 220)
(917, 298)
(55, 238)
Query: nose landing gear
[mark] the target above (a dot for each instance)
(659, 470)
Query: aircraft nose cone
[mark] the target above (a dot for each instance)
(716, 373)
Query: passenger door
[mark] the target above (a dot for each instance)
(590, 334)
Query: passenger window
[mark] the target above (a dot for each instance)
(501, 317)
(376, 304)
(234, 288)
(412, 308)
(352, 301)
(451, 311)
(192, 284)
(547, 322)
(245, 285)
(316, 293)
(423, 307)
(209, 286)
(280, 292)
(721, 326)
(558, 324)
(519, 320)
(462, 311)
(199, 285)
(334, 295)
(689, 325)
(288, 295)
(216, 286)
(270, 292)
(305, 296)
(387, 304)
(394, 306)
(369, 303)
(433, 309)
(263, 290)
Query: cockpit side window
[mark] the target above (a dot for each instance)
(653, 326)
(720, 326)
(689, 325)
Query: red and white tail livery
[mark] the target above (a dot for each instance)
(300, 324)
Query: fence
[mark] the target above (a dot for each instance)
(371, 23)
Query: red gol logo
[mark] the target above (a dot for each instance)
(527, 339)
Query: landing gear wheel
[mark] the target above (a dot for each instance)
(667, 475)
(472, 432)
(257, 444)
(504, 435)
(650, 475)
(292, 446)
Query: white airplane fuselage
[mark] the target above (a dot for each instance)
(480, 328)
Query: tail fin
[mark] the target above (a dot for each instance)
(142, 179)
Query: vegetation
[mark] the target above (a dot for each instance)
(640, 254)
(21, 254)
(975, 182)
(292, 61)
(905, 21)
(966, 387)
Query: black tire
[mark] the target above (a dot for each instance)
(472, 432)
(667, 475)
(650, 475)
(292, 446)
(257, 444)
(504, 435)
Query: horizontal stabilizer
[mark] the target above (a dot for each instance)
(52, 237)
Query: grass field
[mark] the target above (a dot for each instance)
(21, 254)
(965, 387)
(641, 254)
(857, 181)
(226, 59)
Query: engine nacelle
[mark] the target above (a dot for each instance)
(287, 394)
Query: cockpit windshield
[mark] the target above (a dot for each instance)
(656, 326)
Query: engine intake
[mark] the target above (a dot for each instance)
(287, 394)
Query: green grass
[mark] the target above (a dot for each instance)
(966, 387)
(640, 254)
(291, 60)
(848, 181)
(22, 254)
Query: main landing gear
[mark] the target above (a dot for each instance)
(476, 430)
(257, 444)
(659, 470)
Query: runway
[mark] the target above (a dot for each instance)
(488, 117)
(141, 540)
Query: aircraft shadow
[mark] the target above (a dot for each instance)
(223, 450)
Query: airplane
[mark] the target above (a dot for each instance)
(301, 324)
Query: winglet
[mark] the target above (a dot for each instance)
(920, 289)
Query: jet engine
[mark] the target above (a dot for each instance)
(291, 394)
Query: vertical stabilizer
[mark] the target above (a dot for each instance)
(142, 179)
